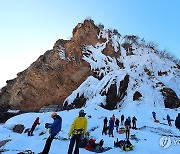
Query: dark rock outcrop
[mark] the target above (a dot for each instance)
(4, 115)
(137, 95)
(170, 98)
(113, 97)
(79, 102)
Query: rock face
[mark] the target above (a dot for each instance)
(5, 116)
(113, 95)
(170, 98)
(54, 75)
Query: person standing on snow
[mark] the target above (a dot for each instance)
(36, 122)
(154, 115)
(77, 130)
(134, 122)
(111, 127)
(104, 131)
(113, 118)
(129, 118)
(169, 120)
(122, 119)
(55, 128)
(117, 124)
(128, 126)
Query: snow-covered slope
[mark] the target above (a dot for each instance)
(149, 72)
(148, 136)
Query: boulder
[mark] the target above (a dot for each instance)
(18, 128)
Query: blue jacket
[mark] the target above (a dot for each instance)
(111, 124)
(55, 126)
(154, 113)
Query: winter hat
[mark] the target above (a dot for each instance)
(82, 113)
(53, 114)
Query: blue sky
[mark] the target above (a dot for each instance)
(30, 27)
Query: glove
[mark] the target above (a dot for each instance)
(46, 125)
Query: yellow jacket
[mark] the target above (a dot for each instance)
(79, 126)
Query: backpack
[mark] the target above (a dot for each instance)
(127, 146)
(121, 130)
(91, 144)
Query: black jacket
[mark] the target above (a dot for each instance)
(105, 121)
(127, 122)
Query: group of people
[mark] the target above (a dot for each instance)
(177, 121)
(114, 122)
(108, 126)
(79, 128)
(108, 129)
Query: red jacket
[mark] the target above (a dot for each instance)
(36, 122)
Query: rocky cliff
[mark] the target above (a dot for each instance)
(54, 75)
(60, 71)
